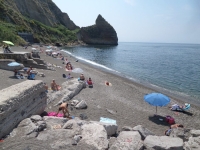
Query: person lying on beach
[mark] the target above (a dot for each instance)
(108, 83)
(176, 126)
(179, 108)
(54, 86)
(63, 108)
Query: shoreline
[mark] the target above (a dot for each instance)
(124, 98)
(174, 94)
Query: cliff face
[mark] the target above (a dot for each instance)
(101, 33)
(44, 11)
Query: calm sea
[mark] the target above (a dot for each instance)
(171, 67)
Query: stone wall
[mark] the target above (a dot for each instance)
(25, 58)
(20, 101)
(4, 65)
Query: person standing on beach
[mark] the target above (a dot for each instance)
(64, 109)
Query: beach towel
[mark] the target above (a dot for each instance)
(107, 120)
(54, 113)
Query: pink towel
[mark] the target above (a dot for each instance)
(54, 113)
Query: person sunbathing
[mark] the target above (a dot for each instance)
(176, 126)
(54, 86)
(168, 131)
(63, 108)
(176, 107)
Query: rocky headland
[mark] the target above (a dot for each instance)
(102, 33)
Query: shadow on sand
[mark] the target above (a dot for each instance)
(159, 120)
(185, 112)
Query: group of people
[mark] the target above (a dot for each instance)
(69, 66)
(29, 72)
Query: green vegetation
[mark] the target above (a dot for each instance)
(12, 22)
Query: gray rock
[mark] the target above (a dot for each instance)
(163, 143)
(111, 111)
(193, 143)
(127, 128)
(144, 132)
(54, 122)
(36, 118)
(111, 129)
(25, 127)
(195, 133)
(128, 140)
(112, 141)
(58, 138)
(74, 102)
(181, 133)
(76, 139)
(74, 125)
(81, 105)
(95, 135)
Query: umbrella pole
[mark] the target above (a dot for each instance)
(156, 110)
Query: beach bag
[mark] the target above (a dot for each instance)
(170, 120)
(64, 75)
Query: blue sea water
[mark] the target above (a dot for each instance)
(172, 67)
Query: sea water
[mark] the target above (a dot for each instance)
(172, 67)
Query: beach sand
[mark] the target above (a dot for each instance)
(124, 99)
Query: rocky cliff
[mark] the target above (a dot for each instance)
(44, 11)
(101, 33)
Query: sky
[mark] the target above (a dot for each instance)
(162, 21)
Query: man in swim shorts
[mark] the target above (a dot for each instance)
(64, 109)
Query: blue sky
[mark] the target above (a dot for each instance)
(165, 21)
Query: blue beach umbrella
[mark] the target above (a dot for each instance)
(157, 99)
(14, 64)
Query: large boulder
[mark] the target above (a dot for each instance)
(193, 143)
(144, 132)
(94, 134)
(58, 138)
(54, 122)
(163, 143)
(129, 140)
(102, 33)
(25, 127)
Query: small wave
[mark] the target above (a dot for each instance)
(91, 62)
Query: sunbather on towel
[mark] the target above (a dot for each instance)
(64, 109)
(179, 108)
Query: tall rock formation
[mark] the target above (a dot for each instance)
(44, 11)
(101, 33)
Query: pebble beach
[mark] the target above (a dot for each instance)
(123, 101)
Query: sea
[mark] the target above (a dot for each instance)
(168, 67)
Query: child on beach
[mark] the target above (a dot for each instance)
(89, 82)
